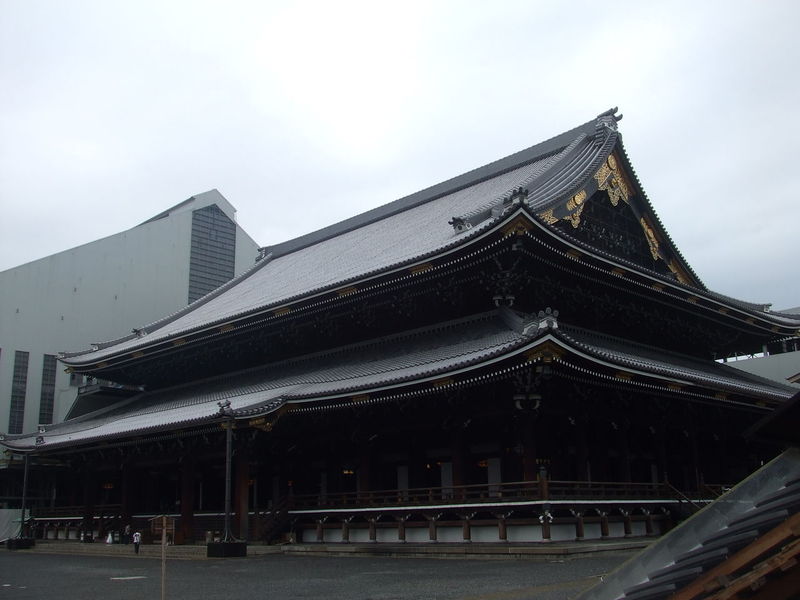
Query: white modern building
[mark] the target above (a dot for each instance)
(101, 291)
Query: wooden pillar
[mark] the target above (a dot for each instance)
(545, 519)
(579, 528)
(125, 492)
(624, 453)
(401, 527)
(530, 469)
(648, 522)
(627, 522)
(432, 533)
(603, 524)
(346, 529)
(362, 474)
(544, 485)
(242, 492)
(581, 452)
(321, 529)
(373, 530)
(459, 462)
(466, 527)
(89, 494)
(187, 500)
(502, 528)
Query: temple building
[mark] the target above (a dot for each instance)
(519, 353)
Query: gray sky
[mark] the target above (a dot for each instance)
(305, 113)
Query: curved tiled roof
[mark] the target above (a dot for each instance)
(400, 234)
(382, 365)
(378, 240)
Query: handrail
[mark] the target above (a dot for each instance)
(485, 493)
(99, 510)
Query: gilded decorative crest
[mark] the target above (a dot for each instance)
(575, 218)
(610, 179)
(651, 237)
(519, 226)
(548, 216)
(576, 201)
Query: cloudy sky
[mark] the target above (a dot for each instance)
(305, 113)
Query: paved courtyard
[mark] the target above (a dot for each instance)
(278, 577)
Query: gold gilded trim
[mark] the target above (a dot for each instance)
(547, 352)
(226, 328)
(575, 218)
(518, 226)
(576, 201)
(678, 271)
(346, 291)
(610, 178)
(137, 354)
(417, 269)
(179, 342)
(650, 235)
(548, 216)
(443, 382)
(572, 253)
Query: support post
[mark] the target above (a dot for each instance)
(187, 500)
(579, 528)
(24, 498)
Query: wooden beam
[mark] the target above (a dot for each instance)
(770, 540)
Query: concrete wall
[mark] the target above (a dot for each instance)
(97, 292)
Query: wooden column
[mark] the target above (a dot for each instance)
(459, 462)
(432, 534)
(125, 492)
(579, 528)
(581, 452)
(362, 473)
(187, 500)
(466, 527)
(321, 529)
(623, 447)
(603, 524)
(401, 527)
(546, 519)
(530, 469)
(241, 488)
(502, 528)
(346, 529)
(373, 531)
(648, 522)
(89, 497)
(626, 522)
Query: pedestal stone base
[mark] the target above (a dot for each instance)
(20, 543)
(226, 549)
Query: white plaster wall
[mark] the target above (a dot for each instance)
(479, 533)
(524, 533)
(93, 293)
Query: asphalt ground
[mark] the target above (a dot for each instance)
(280, 577)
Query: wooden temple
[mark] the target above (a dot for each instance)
(518, 353)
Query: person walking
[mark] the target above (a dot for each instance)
(137, 539)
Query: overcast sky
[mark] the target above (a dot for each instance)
(305, 113)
